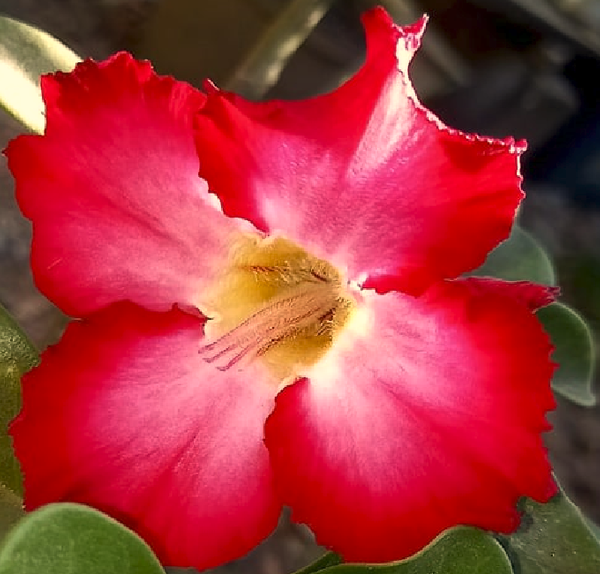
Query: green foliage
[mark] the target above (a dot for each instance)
(581, 276)
(326, 561)
(574, 353)
(61, 538)
(459, 550)
(595, 529)
(17, 356)
(15, 348)
(11, 510)
(553, 539)
(519, 258)
(25, 54)
(10, 400)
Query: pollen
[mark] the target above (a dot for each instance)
(276, 303)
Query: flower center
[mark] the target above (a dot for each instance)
(276, 302)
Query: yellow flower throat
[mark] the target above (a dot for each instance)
(276, 302)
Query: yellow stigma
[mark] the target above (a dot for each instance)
(276, 302)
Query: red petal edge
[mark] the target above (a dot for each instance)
(123, 415)
(365, 176)
(427, 416)
(532, 295)
(113, 192)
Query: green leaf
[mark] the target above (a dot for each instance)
(553, 539)
(11, 510)
(15, 348)
(10, 401)
(326, 561)
(574, 353)
(595, 529)
(17, 356)
(25, 54)
(460, 550)
(519, 258)
(63, 538)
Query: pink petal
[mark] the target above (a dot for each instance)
(124, 415)
(113, 192)
(425, 415)
(532, 295)
(364, 177)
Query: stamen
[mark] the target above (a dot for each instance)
(273, 301)
(278, 320)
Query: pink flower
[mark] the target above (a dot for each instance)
(321, 298)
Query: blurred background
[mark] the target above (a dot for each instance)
(527, 68)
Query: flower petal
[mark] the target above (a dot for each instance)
(532, 295)
(364, 177)
(113, 192)
(425, 414)
(124, 415)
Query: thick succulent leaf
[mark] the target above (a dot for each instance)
(519, 258)
(460, 550)
(66, 537)
(25, 54)
(17, 356)
(553, 539)
(594, 528)
(10, 399)
(15, 348)
(11, 509)
(328, 560)
(574, 353)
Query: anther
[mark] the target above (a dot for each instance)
(278, 320)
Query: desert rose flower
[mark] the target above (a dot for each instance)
(271, 313)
